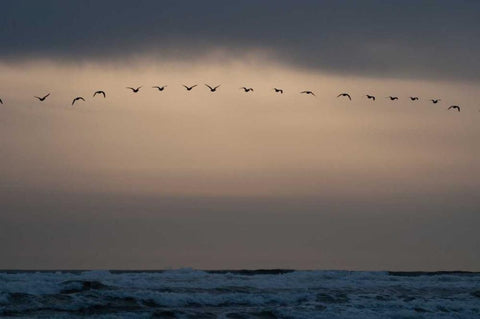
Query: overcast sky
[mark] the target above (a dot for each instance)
(409, 38)
(233, 180)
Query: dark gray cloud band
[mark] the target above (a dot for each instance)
(409, 38)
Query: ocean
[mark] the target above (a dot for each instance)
(268, 294)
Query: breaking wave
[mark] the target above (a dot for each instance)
(188, 293)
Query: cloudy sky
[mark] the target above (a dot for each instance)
(233, 180)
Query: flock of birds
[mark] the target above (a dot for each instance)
(246, 90)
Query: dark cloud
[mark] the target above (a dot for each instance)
(426, 39)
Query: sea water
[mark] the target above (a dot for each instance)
(188, 293)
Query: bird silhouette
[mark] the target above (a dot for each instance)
(414, 98)
(246, 89)
(160, 88)
(454, 107)
(78, 98)
(189, 88)
(308, 92)
(100, 92)
(134, 90)
(212, 89)
(41, 99)
(392, 98)
(1, 102)
(435, 101)
(278, 90)
(345, 94)
(370, 97)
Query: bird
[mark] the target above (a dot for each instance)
(100, 92)
(189, 88)
(370, 97)
(414, 98)
(1, 102)
(345, 94)
(77, 98)
(455, 107)
(307, 92)
(246, 89)
(134, 90)
(392, 98)
(435, 101)
(278, 90)
(160, 88)
(41, 99)
(212, 89)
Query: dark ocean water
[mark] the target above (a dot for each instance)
(264, 294)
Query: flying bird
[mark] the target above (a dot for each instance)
(78, 98)
(370, 97)
(160, 88)
(307, 92)
(278, 90)
(100, 92)
(246, 89)
(435, 101)
(392, 98)
(189, 88)
(134, 90)
(41, 99)
(212, 89)
(414, 98)
(454, 107)
(345, 94)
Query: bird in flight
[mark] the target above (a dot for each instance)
(414, 98)
(392, 98)
(246, 89)
(78, 98)
(455, 107)
(435, 101)
(160, 88)
(100, 92)
(278, 90)
(307, 92)
(345, 94)
(370, 97)
(212, 89)
(134, 90)
(189, 88)
(41, 99)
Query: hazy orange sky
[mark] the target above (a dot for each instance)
(229, 179)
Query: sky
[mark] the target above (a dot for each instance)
(171, 179)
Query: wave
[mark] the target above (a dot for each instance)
(190, 293)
